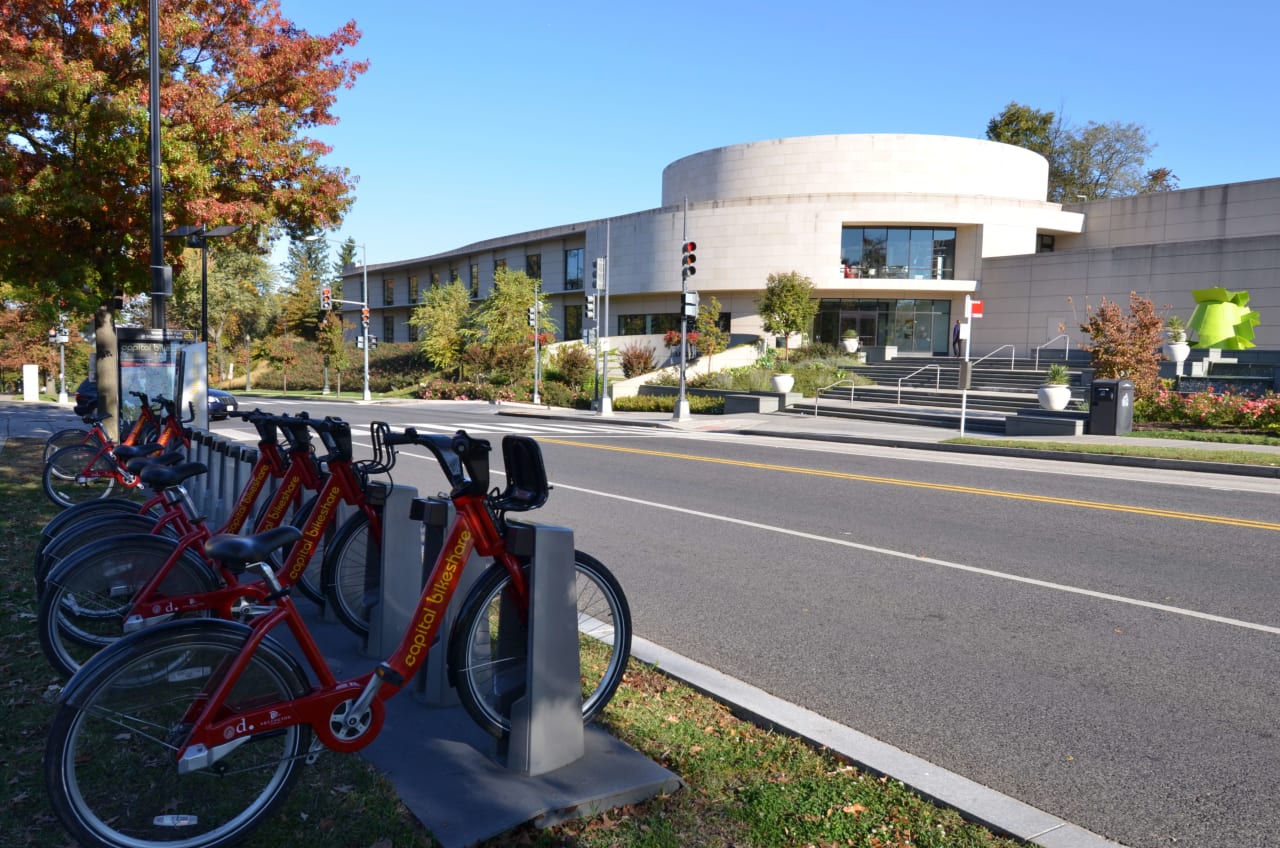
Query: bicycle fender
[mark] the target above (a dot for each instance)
(197, 631)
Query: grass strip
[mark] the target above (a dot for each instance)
(745, 786)
(1221, 455)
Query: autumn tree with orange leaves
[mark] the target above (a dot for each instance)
(241, 87)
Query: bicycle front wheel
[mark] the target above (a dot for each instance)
(344, 575)
(86, 596)
(79, 473)
(110, 768)
(487, 656)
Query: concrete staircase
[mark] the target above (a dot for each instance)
(926, 392)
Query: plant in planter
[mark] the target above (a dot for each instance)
(1055, 393)
(783, 380)
(1175, 347)
(850, 341)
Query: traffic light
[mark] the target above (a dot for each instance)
(690, 305)
(364, 316)
(597, 274)
(326, 298)
(373, 343)
(359, 342)
(591, 307)
(687, 259)
(533, 316)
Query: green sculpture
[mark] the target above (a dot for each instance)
(1223, 319)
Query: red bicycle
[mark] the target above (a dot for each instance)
(210, 720)
(144, 429)
(87, 471)
(137, 580)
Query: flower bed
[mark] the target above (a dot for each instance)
(1212, 410)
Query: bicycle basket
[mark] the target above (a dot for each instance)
(527, 486)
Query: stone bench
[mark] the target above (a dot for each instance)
(740, 404)
(1042, 423)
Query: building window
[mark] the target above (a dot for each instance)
(388, 329)
(388, 291)
(915, 253)
(573, 268)
(1044, 243)
(648, 324)
(573, 321)
(453, 275)
(533, 265)
(498, 265)
(435, 279)
(475, 280)
(413, 288)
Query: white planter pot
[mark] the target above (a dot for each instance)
(1054, 397)
(1177, 351)
(783, 382)
(849, 345)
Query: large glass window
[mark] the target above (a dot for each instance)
(572, 321)
(413, 288)
(388, 291)
(388, 329)
(651, 324)
(912, 325)
(917, 253)
(533, 265)
(573, 268)
(475, 280)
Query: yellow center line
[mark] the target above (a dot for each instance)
(941, 487)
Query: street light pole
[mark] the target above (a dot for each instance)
(364, 283)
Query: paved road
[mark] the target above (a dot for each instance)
(1098, 643)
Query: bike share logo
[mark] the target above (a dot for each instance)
(315, 526)
(435, 599)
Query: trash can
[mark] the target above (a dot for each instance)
(1111, 407)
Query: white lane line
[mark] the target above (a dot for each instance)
(1015, 578)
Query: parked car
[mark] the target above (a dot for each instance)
(86, 396)
(221, 404)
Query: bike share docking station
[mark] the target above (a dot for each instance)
(464, 785)
(461, 783)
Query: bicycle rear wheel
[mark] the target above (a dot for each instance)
(110, 769)
(85, 599)
(487, 656)
(92, 532)
(66, 438)
(88, 511)
(79, 473)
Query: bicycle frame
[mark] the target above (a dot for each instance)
(170, 429)
(214, 734)
(340, 486)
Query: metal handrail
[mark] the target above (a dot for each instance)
(936, 387)
(1012, 356)
(1066, 348)
(818, 393)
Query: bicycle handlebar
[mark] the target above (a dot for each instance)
(463, 458)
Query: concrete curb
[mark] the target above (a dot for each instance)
(974, 801)
(1033, 453)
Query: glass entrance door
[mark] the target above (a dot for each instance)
(861, 321)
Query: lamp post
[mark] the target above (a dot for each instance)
(364, 306)
(198, 237)
(60, 337)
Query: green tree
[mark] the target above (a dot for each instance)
(501, 327)
(238, 279)
(1092, 162)
(788, 305)
(442, 323)
(711, 339)
(331, 346)
(241, 88)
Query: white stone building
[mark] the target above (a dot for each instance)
(893, 230)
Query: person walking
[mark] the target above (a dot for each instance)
(955, 339)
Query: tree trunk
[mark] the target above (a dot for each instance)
(106, 348)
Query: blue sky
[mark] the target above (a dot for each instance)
(495, 117)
